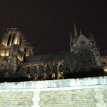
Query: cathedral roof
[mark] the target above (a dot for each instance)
(82, 39)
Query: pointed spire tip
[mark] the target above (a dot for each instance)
(75, 30)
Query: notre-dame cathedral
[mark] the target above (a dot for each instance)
(85, 52)
(17, 61)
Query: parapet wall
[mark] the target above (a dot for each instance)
(86, 92)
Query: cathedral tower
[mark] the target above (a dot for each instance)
(86, 53)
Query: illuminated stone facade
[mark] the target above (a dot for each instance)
(16, 58)
(82, 60)
(13, 49)
(104, 60)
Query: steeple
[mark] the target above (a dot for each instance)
(75, 31)
(80, 32)
(92, 39)
(91, 36)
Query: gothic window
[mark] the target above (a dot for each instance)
(9, 40)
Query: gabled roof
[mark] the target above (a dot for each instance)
(82, 39)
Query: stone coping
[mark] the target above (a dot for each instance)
(56, 84)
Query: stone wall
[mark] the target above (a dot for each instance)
(86, 92)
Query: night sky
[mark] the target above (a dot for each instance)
(47, 23)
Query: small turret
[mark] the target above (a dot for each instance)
(92, 39)
(75, 31)
(71, 41)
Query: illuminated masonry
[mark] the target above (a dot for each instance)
(13, 49)
(17, 60)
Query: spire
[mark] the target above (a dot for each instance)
(75, 31)
(71, 40)
(80, 32)
(92, 39)
(91, 36)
